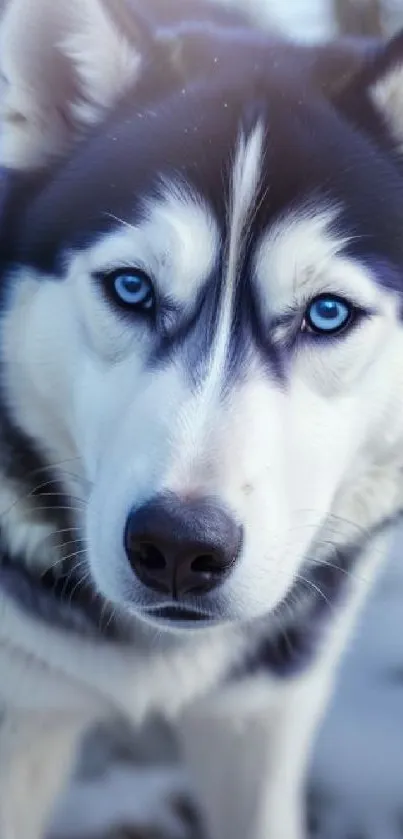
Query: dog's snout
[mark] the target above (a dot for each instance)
(181, 547)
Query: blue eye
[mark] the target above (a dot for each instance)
(134, 289)
(327, 315)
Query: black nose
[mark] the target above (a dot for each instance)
(181, 547)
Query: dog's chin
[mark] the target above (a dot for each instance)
(178, 618)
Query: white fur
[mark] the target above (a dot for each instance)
(177, 243)
(245, 181)
(300, 256)
(36, 754)
(288, 462)
(45, 48)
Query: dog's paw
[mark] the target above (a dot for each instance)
(127, 803)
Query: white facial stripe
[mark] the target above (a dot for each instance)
(195, 419)
(245, 181)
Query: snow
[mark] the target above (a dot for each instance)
(358, 763)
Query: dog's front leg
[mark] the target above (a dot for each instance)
(248, 751)
(36, 755)
(249, 747)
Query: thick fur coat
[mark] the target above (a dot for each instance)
(201, 405)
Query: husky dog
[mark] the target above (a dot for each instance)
(201, 389)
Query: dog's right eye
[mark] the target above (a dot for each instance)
(132, 288)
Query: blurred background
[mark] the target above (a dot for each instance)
(317, 19)
(132, 786)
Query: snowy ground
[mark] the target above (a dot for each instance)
(358, 765)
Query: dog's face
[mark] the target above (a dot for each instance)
(204, 315)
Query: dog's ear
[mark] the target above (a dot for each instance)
(386, 88)
(374, 97)
(334, 65)
(64, 63)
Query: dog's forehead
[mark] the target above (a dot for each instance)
(308, 153)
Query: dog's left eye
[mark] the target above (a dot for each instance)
(328, 315)
(133, 288)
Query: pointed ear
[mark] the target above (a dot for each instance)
(385, 88)
(64, 64)
(374, 97)
(335, 64)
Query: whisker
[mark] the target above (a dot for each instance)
(56, 480)
(80, 582)
(49, 482)
(61, 530)
(119, 220)
(70, 575)
(32, 494)
(63, 495)
(57, 507)
(317, 590)
(63, 543)
(62, 560)
(58, 561)
(77, 541)
(318, 563)
(75, 554)
(342, 520)
(112, 613)
(54, 465)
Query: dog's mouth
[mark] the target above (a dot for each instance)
(71, 604)
(181, 616)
